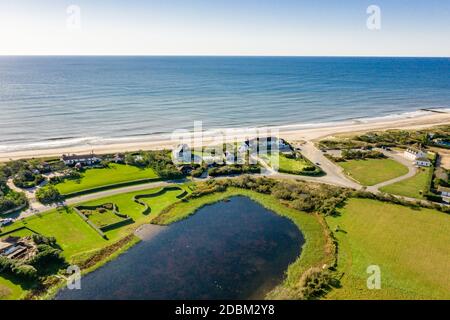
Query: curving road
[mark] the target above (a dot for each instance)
(334, 176)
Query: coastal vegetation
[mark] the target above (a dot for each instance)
(370, 172)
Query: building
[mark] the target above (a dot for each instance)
(414, 154)
(423, 162)
(268, 143)
(182, 153)
(445, 193)
(84, 159)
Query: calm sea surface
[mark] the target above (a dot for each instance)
(227, 250)
(63, 101)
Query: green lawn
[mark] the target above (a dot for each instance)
(373, 171)
(116, 173)
(411, 187)
(410, 246)
(102, 219)
(288, 165)
(77, 239)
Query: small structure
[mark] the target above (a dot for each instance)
(414, 154)
(119, 158)
(445, 193)
(17, 248)
(84, 159)
(182, 153)
(423, 162)
(266, 143)
(230, 157)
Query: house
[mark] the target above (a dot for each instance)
(414, 154)
(182, 153)
(213, 159)
(445, 192)
(119, 158)
(84, 159)
(423, 162)
(230, 157)
(266, 143)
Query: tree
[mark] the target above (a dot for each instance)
(48, 194)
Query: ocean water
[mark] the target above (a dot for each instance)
(67, 101)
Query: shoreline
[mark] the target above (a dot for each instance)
(289, 132)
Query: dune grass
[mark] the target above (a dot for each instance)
(99, 177)
(414, 187)
(410, 247)
(369, 172)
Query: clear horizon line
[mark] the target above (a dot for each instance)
(221, 55)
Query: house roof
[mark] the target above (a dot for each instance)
(414, 150)
(78, 156)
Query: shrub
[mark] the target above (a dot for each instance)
(314, 283)
(48, 194)
(25, 271)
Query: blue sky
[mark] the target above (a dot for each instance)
(231, 27)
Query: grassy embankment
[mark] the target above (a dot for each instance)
(99, 177)
(314, 251)
(369, 172)
(409, 245)
(79, 242)
(414, 187)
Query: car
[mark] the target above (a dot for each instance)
(317, 164)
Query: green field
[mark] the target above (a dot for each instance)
(411, 187)
(102, 219)
(369, 172)
(410, 246)
(287, 165)
(98, 177)
(77, 239)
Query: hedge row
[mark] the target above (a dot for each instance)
(110, 186)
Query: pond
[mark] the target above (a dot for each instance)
(234, 249)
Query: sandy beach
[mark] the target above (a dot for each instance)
(292, 132)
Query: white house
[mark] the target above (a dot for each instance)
(84, 159)
(265, 143)
(423, 162)
(182, 153)
(414, 154)
(229, 157)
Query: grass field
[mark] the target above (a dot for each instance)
(411, 187)
(410, 246)
(116, 173)
(76, 238)
(101, 219)
(373, 171)
(288, 165)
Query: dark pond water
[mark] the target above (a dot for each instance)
(227, 250)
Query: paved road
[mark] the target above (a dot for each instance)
(397, 156)
(334, 176)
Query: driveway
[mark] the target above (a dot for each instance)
(397, 156)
